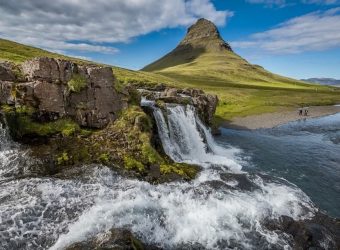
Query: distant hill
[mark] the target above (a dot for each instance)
(324, 81)
(203, 56)
(18, 53)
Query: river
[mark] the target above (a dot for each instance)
(248, 179)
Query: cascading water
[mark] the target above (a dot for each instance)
(186, 139)
(222, 208)
(12, 160)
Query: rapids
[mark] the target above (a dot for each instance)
(224, 207)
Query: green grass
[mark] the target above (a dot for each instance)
(18, 53)
(77, 83)
(243, 89)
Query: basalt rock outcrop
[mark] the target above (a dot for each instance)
(70, 115)
(205, 104)
(6, 72)
(56, 89)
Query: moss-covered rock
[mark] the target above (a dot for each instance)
(21, 124)
(77, 83)
(128, 141)
(126, 145)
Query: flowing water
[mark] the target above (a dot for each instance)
(305, 152)
(227, 206)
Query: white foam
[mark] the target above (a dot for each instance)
(182, 213)
(186, 139)
(36, 213)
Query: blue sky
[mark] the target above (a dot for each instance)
(300, 39)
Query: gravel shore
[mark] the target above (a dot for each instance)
(270, 120)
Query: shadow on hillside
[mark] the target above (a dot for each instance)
(181, 55)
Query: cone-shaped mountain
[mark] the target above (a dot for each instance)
(203, 56)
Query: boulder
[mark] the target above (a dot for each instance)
(205, 104)
(319, 232)
(192, 92)
(170, 92)
(6, 94)
(48, 69)
(42, 68)
(94, 103)
(114, 239)
(50, 96)
(6, 72)
(99, 102)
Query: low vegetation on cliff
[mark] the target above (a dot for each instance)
(73, 115)
(238, 97)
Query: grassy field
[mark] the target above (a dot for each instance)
(243, 89)
(238, 97)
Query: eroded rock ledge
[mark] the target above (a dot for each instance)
(71, 115)
(56, 89)
(205, 104)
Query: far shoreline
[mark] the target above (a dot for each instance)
(271, 120)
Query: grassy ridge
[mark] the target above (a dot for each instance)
(18, 53)
(243, 89)
(238, 97)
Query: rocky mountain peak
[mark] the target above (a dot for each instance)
(204, 33)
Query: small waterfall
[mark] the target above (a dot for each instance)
(186, 139)
(217, 210)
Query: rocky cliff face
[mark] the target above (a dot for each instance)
(57, 88)
(205, 104)
(204, 34)
(70, 115)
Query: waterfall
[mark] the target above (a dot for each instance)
(217, 210)
(186, 139)
(8, 152)
(13, 158)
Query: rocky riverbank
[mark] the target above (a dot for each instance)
(71, 115)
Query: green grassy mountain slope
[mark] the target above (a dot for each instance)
(235, 99)
(204, 60)
(203, 56)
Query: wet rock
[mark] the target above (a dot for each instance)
(205, 104)
(115, 239)
(320, 232)
(170, 92)
(241, 181)
(177, 100)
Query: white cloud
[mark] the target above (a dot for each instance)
(268, 2)
(283, 3)
(316, 31)
(57, 24)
